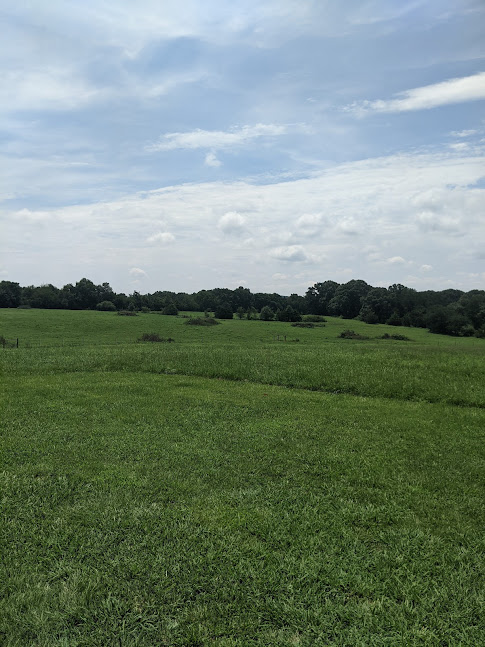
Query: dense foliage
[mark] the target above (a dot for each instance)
(450, 312)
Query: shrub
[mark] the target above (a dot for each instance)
(202, 321)
(303, 324)
(154, 336)
(170, 309)
(106, 306)
(288, 314)
(350, 334)
(397, 337)
(128, 313)
(394, 320)
(224, 311)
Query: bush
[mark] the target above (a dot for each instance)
(288, 314)
(224, 311)
(154, 336)
(303, 324)
(397, 337)
(350, 334)
(106, 306)
(394, 320)
(128, 313)
(202, 321)
(170, 309)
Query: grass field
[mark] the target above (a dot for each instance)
(232, 488)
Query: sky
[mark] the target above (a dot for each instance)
(265, 143)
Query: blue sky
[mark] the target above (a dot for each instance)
(270, 144)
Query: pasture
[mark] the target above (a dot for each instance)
(233, 488)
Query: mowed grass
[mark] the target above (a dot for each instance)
(147, 500)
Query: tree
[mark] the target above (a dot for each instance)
(170, 309)
(288, 314)
(106, 306)
(10, 294)
(376, 306)
(348, 298)
(318, 297)
(224, 311)
(266, 314)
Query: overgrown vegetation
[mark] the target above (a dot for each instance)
(396, 337)
(350, 334)
(154, 337)
(202, 321)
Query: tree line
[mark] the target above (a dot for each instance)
(449, 312)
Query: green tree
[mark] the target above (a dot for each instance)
(266, 314)
(170, 309)
(288, 314)
(10, 294)
(224, 311)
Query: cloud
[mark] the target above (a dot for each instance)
(211, 160)
(161, 237)
(291, 253)
(279, 277)
(403, 206)
(232, 223)
(395, 260)
(309, 224)
(138, 273)
(425, 268)
(463, 133)
(458, 90)
(459, 146)
(52, 88)
(216, 139)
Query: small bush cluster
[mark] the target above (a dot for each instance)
(397, 337)
(303, 324)
(202, 321)
(128, 313)
(350, 334)
(154, 336)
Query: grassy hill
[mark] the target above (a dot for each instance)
(234, 488)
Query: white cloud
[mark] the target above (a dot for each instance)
(395, 260)
(463, 133)
(459, 146)
(217, 139)
(290, 253)
(458, 90)
(309, 224)
(232, 223)
(161, 237)
(425, 268)
(51, 88)
(403, 206)
(138, 273)
(211, 160)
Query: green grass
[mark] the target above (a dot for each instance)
(168, 494)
